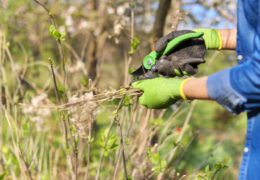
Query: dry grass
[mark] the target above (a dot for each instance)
(102, 140)
(105, 96)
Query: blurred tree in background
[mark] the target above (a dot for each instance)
(105, 40)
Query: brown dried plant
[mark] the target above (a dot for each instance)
(107, 95)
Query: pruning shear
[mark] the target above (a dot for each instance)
(151, 62)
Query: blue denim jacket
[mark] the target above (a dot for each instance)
(238, 88)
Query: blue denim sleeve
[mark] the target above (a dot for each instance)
(238, 88)
(245, 78)
(220, 90)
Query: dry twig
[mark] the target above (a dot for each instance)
(62, 112)
(121, 137)
(108, 133)
(61, 51)
(104, 97)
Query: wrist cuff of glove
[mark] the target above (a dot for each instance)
(182, 87)
(212, 38)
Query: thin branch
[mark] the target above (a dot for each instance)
(26, 60)
(185, 125)
(105, 96)
(215, 173)
(54, 82)
(84, 47)
(63, 63)
(177, 14)
(73, 51)
(219, 11)
(48, 11)
(88, 156)
(59, 102)
(106, 140)
(177, 162)
(62, 112)
(121, 143)
(19, 86)
(17, 151)
(132, 35)
(61, 51)
(133, 115)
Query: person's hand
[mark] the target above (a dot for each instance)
(212, 38)
(182, 60)
(159, 93)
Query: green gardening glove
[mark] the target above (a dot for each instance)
(185, 57)
(211, 37)
(160, 92)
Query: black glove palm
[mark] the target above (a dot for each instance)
(184, 59)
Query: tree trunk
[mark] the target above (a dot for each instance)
(160, 18)
(92, 59)
(94, 4)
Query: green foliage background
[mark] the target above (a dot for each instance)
(25, 40)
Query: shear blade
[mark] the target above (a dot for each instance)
(140, 71)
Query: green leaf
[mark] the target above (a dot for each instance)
(84, 82)
(127, 101)
(207, 169)
(217, 166)
(112, 143)
(131, 70)
(114, 146)
(131, 52)
(127, 142)
(163, 164)
(61, 90)
(225, 161)
(5, 149)
(155, 158)
(105, 153)
(56, 34)
(133, 4)
(157, 121)
(53, 62)
(149, 153)
(225, 167)
(25, 127)
(72, 130)
(135, 43)
(91, 140)
(62, 36)
(51, 29)
(100, 143)
(2, 176)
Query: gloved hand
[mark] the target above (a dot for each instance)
(182, 60)
(160, 92)
(212, 38)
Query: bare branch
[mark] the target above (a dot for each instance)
(61, 51)
(219, 11)
(106, 140)
(121, 143)
(48, 11)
